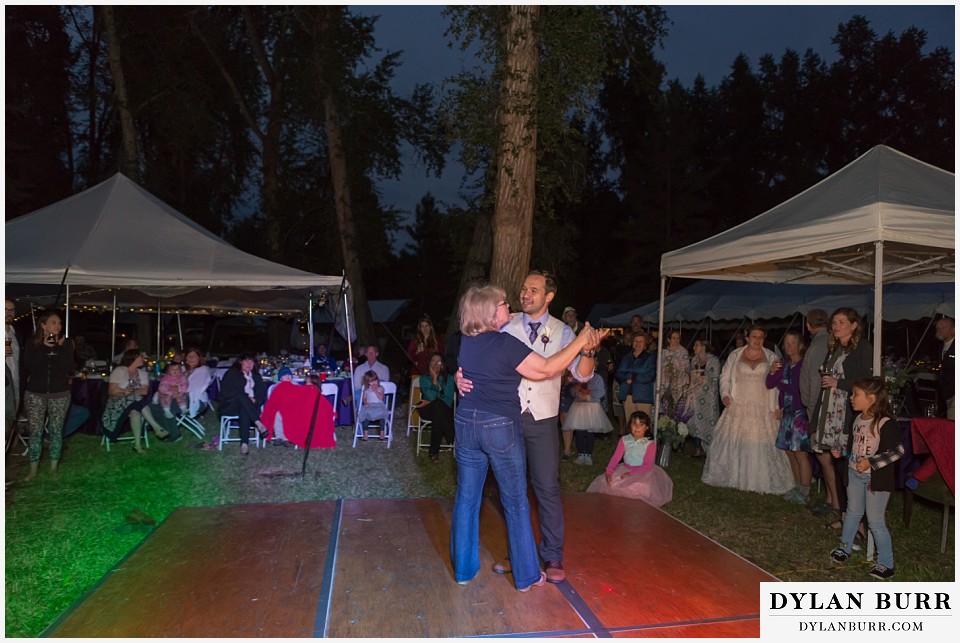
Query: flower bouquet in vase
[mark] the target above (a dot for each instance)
(670, 437)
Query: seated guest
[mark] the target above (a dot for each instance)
(636, 476)
(199, 377)
(371, 364)
(242, 393)
(82, 351)
(169, 401)
(126, 398)
(275, 430)
(322, 361)
(173, 388)
(373, 407)
(129, 344)
(437, 390)
(300, 408)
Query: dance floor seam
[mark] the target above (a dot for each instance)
(326, 593)
(381, 568)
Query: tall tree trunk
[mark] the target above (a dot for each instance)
(270, 139)
(318, 21)
(129, 157)
(269, 136)
(93, 138)
(515, 195)
(344, 207)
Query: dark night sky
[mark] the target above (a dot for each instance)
(702, 39)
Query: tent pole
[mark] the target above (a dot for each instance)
(310, 327)
(180, 330)
(656, 388)
(346, 318)
(113, 329)
(878, 307)
(66, 328)
(159, 331)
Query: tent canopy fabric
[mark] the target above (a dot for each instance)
(719, 300)
(883, 218)
(827, 233)
(116, 234)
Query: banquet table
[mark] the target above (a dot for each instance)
(86, 393)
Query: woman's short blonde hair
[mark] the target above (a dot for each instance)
(478, 309)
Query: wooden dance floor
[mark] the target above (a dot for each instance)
(381, 568)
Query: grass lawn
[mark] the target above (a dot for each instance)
(62, 535)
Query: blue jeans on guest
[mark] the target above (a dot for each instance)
(861, 499)
(488, 440)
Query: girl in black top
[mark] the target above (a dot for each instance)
(48, 363)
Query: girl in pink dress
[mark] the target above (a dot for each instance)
(637, 476)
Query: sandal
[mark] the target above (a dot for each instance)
(835, 525)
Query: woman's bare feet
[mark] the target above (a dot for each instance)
(54, 468)
(33, 471)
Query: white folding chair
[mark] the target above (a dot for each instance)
(232, 423)
(390, 399)
(332, 392)
(427, 425)
(413, 415)
(193, 423)
(129, 438)
(14, 435)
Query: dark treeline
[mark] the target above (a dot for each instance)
(272, 125)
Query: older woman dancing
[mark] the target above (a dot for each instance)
(488, 431)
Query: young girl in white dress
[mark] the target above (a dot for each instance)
(587, 417)
(637, 476)
(373, 406)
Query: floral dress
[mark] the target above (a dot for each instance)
(676, 376)
(703, 398)
(116, 407)
(794, 432)
(830, 430)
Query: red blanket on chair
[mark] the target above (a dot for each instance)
(295, 403)
(937, 437)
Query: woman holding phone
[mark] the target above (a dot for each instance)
(48, 362)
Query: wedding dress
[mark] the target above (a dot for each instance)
(743, 454)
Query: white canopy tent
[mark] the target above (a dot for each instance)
(719, 300)
(885, 217)
(117, 235)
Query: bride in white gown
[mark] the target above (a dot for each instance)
(744, 454)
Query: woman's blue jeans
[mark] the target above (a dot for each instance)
(861, 499)
(488, 440)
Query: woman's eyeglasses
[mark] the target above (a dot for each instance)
(504, 303)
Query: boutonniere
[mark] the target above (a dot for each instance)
(545, 338)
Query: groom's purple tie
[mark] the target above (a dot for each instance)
(534, 327)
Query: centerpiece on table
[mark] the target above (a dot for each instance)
(896, 374)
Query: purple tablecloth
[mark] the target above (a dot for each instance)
(86, 393)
